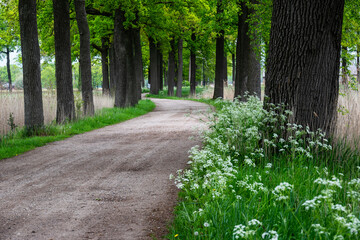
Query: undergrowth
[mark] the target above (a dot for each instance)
(17, 142)
(260, 177)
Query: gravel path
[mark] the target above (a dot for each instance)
(111, 183)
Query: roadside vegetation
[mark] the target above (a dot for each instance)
(260, 177)
(20, 140)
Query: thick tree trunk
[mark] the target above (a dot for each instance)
(219, 64)
(105, 66)
(112, 70)
(65, 95)
(34, 116)
(85, 64)
(127, 84)
(154, 68)
(248, 71)
(139, 62)
(180, 69)
(303, 62)
(8, 67)
(120, 59)
(171, 67)
(160, 69)
(192, 66)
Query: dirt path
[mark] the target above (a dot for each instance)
(111, 183)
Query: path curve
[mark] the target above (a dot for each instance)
(111, 183)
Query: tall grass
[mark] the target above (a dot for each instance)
(18, 142)
(260, 177)
(14, 104)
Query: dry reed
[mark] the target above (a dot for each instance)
(14, 104)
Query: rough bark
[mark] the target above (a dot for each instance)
(127, 84)
(303, 62)
(120, 59)
(171, 69)
(85, 64)
(248, 71)
(180, 69)
(34, 116)
(219, 64)
(132, 77)
(154, 69)
(192, 66)
(65, 97)
(8, 68)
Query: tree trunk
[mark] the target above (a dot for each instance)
(203, 73)
(120, 59)
(193, 66)
(127, 84)
(65, 95)
(233, 68)
(171, 67)
(303, 62)
(160, 69)
(112, 70)
(225, 70)
(248, 70)
(105, 66)
(139, 62)
(154, 69)
(344, 70)
(132, 77)
(180, 69)
(8, 67)
(85, 64)
(219, 64)
(34, 116)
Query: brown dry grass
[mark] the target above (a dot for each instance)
(14, 104)
(348, 125)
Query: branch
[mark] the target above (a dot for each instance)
(93, 11)
(97, 47)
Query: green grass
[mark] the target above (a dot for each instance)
(17, 143)
(298, 187)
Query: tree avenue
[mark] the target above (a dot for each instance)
(167, 44)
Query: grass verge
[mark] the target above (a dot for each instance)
(17, 143)
(260, 177)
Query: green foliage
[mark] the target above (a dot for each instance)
(23, 140)
(246, 183)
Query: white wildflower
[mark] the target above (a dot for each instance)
(272, 235)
